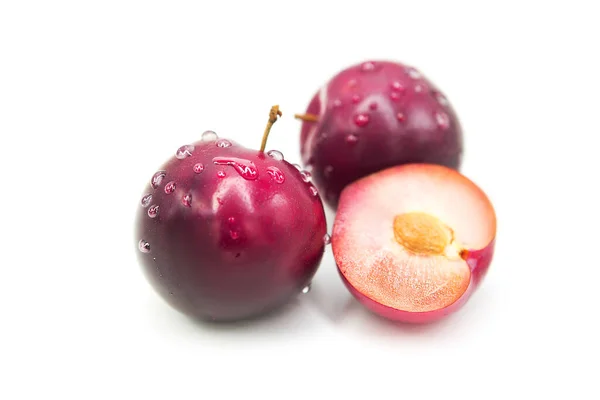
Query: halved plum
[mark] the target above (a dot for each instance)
(413, 242)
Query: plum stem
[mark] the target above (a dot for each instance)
(307, 117)
(273, 114)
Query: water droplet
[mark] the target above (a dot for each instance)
(397, 85)
(395, 96)
(413, 73)
(351, 138)
(198, 168)
(314, 191)
(221, 174)
(297, 166)
(245, 168)
(220, 201)
(368, 66)
(419, 88)
(170, 187)
(441, 99)
(306, 176)
(157, 179)
(442, 120)
(146, 200)
(373, 106)
(276, 174)
(401, 117)
(234, 234)
(275, 154)
(184, 151)
(153, 211)
(306, 289)
(327, 239)
(186, 200)
(144, 246)
(209, 136)
(223, 143)
(327, 171)
(231, 220)
(356, 98)
(337, 103)
(361, 119)
(352, 83)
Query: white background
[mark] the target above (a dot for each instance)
(95, 95)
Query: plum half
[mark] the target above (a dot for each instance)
(373, 116)
(225, 232)
(413, 242)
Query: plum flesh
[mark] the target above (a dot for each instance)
(413, 242)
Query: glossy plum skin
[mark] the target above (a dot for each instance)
(478, 261)
(229, 243)
(375, 115)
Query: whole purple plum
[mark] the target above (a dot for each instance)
(224, 232)
(372, 116)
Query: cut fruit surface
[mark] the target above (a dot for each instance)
(402, 237)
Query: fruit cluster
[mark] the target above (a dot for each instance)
(224, 232)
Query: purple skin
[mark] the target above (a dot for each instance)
(237, 232)
(372, 116)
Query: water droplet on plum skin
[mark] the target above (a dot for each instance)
(400, 117)
(413, 73)
(221, 174)
(297, 166)
(157, 179)
(306, 176)
(368, 66)
(419, 88)
(275, 155)
(186, 200)
(351, 138)
(198, 168)
(395, 96)
(234, 234)
(276, 174)
(327, 171)
(361, 120)
(146, 200)
(314, 191)
(245, 168)
(153, 211)
(184, 151)
(441, 99)
(356, 98)
(306, 289)
(373, 106)
(223, 143)
(337, 103)
(144, 246)
(442, 120)
(170, 187)
(327, 239)
(209, 136)
(397, 86)
(231, 220)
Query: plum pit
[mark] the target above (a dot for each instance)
(426, 235)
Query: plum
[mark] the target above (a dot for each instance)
(373, 116)
(224, 232)
(413, 242)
